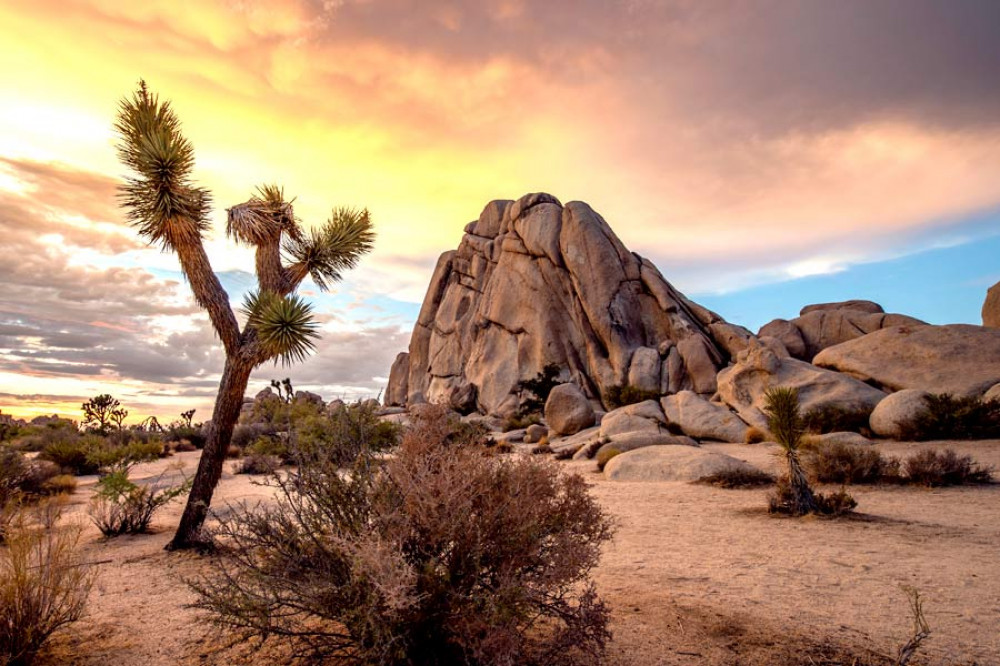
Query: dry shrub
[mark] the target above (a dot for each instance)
(837, 462)
(184, 446)
(541, 448)
(605, 456)
(437, 555)
(949, 417)
(755, 435)
(61, 484)
(833, 418)
(258, 463)
(738, 478)
(784, 498)
(122, 506)
(43, 585)
(944, 468)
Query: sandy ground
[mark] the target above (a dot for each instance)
(695, 575)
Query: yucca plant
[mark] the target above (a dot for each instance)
(169, 210)
(794, 495)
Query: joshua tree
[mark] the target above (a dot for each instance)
(169, 210)
(785, 423)
(101, 411)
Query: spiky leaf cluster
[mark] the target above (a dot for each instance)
(284, 324)
(783, 417)
(160, 199)
(262, 218)
(335, 247)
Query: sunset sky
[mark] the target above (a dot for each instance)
(763, 154)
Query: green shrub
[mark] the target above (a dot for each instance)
(61, 484)
(73, 456)
(437, 555)
(832, 418)
(793, 495)
(622, 395)
(949, 417)
(519, 421)
(944, 468)
(43, 586)
(605, 456)
(191, 433)
(837, 462)
(785, 497)
(738, 478)
(534, 392)
(121, 506)
(267, 446)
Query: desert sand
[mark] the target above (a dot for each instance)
(695, 575)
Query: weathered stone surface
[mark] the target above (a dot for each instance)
(576, 441)
(399, 380)
(848, 438)
(828, 324)
(991, 307)
(265, 394)
(671, 463)
(629, 441)
(959, 359)
(641, 417)
(567, 410)
(897, 413)
(535, 282)
(742, 386)
(702, 419)
(534, 433)
(308, 396)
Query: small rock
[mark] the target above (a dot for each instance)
(897, 413)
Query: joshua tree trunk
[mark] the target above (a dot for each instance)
(803, 498)
(235, 377)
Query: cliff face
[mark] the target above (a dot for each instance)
(535, 282)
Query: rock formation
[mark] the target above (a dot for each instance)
(826, 324)
(535, 282)
(960, 359)
(991, 307)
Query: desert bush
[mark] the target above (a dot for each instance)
(738, 478)
(258, 463)
(565, 454)
(595, 446)
(534, 392)
(344, 433)
(521, 421)
(122, 506)
(833, 418)
(540, 449)
(605, 456)
(755, 435)
(267, 446)
(437, 555)
(625, 394)
(944, 468)
(60, 484)
(837, 462)
(191, 433)
(43, 586)
(73, 455)
(949, 417)
(183, 446)
(245, 433)
(834, 504)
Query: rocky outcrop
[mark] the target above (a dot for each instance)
(702, 419)
(827, 324)
(897, 414)
(991, 307)
(959, 359)
(535, 282)
(567, 410)
(399, 379)
(671, 463)
(641, 417)
(743, 386)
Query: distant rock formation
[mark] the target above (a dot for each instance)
(991, 307)
(827, 324)
(535, 282)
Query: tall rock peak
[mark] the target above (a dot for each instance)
(535, 282)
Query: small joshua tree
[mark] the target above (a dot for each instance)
(795, 495)
(169, 210)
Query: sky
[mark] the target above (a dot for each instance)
(764, 155)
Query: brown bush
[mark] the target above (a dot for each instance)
(737, 478)
(755, 435)
(834, 504)
(437, 555)
(944, 468)
(837, 462)
(43, 586)
(257, 463)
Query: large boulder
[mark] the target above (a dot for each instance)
(827, 324)
(567, 410)
(897, 414)
(630, 441)
(641, 417)
(399, 379)
(991, 307)
(959, 359)
(743, 385)
(535, 282)
(671, 463)
(702, 419)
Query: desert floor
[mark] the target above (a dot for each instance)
(695, 575)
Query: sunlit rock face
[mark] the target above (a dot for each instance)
(535, 282)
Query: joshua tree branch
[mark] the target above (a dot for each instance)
(209, 293)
